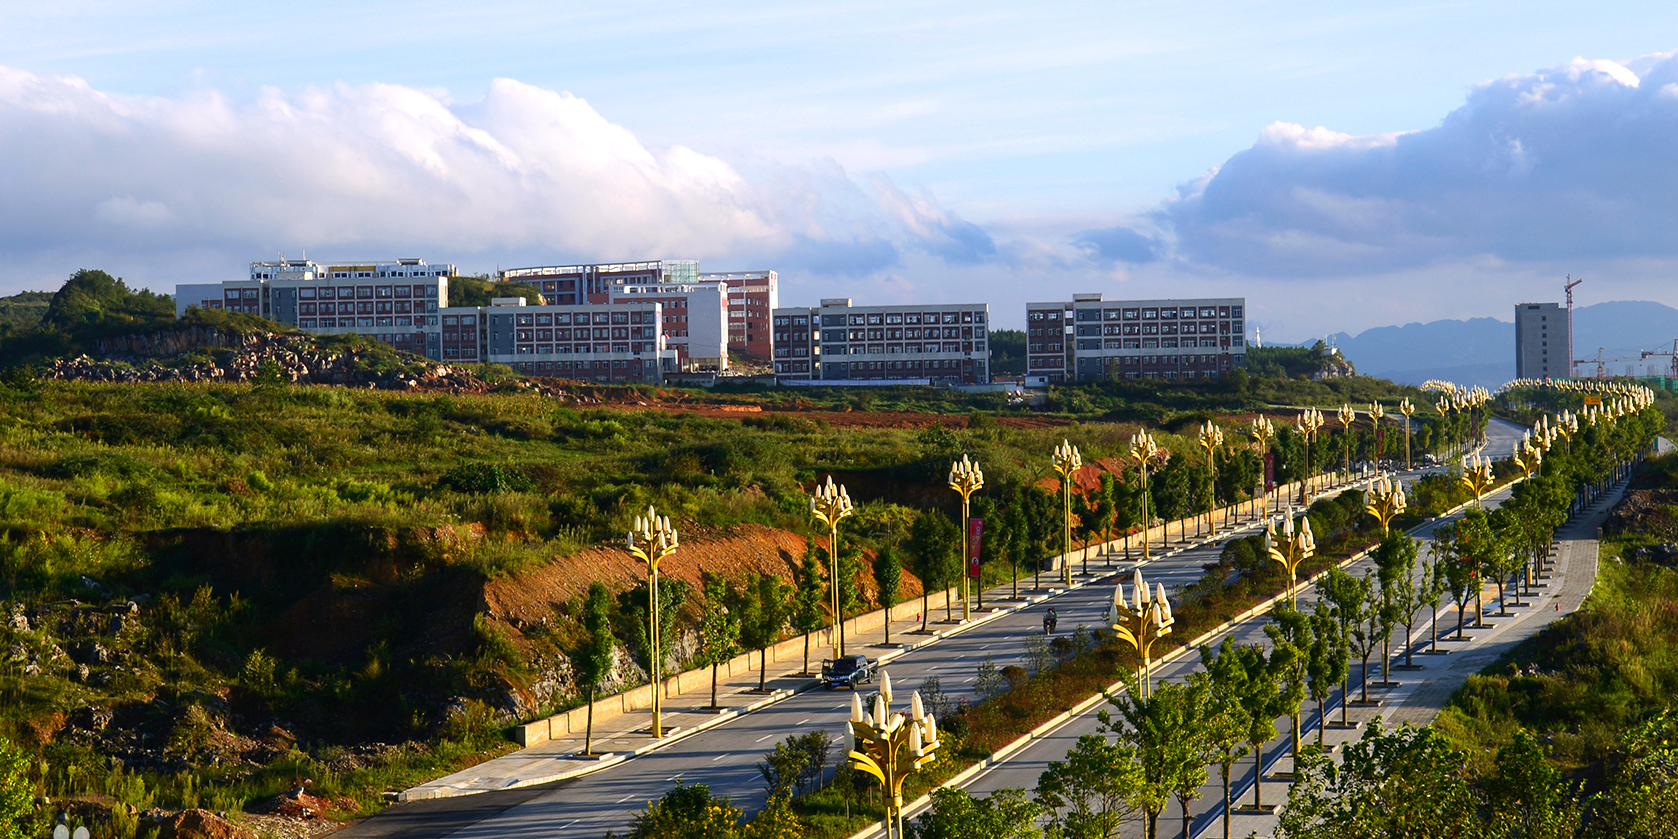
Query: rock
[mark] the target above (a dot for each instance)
(200, 824)
(19, 621)
(92, 652)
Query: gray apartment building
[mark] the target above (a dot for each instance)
(1542, 343)
(897, 344)
(1090, 339)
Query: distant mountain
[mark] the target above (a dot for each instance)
(1481, 351)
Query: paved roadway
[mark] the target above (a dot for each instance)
(725, 757)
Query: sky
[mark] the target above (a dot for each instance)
(1342, 166)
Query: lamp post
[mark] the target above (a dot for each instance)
(1310, 421)
(1290, 548)
(1212, 439)
(1067, 463)
(891, 746)
(1263, 433)
(658, 540)
(1408, 410)
(829, 504)
(1528, 455)
(1376, 414)
(1476, 475)
(966, 478)
(1148, 456)
(1348, 418)
(1141, 621)
(1386, 502)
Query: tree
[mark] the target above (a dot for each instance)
(1479, 544)
(17, 800)
(719, 629)
(1528, 798)
(1642, 796)
(1290, 661)
(807, 602)
(956, 814)
(888, 576)
(780, 768)
(1402, 784)
(761, 622)
(1461, 577)
(1434, 583)
(593, 660)
(632, 606)
(1018, 538)
(686, 813)
(1330, 662)
(1165, 728)
(933, 542)
(1395, 563)
(1227, 725)
(1106, 508)
(1041, 513)
(1261, 703)
(1090, 794)
(1352, 604)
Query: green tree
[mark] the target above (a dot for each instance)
(807, 602)
(1479, 544)
(766, 599)
(782, 766)
(1261, 703)
(1166, 730)
(719, 629)
(934, 542)
(593, 660)
(1641, 801)
(1527, 797)
(1290, 633)
(956, 814)
(1330, 662)
(1399, 599)
(888, 576)
(1461, 577)
(1401, 784)
(632, 608)
(1227, 725)
(1091, 793)
(686, 813)
(17, 799)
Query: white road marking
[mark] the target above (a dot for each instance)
(802, 721)
(625, 798)
(719, 757)
(764, 737)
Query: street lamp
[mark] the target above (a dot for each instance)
(1290, 548)
(829, 504)
(1263, 433)
(1348, 418)
(1212, 439)
(1376, 414)
(1527, 455)
(658, 540)
(1476, 475)
(1149, 457)
(1408, 410)
(891, 746)
(1310, 421)
(966, 479)
(1067, 463)
(1142, 621)
(1386, 502)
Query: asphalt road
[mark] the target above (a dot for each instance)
(725, 757)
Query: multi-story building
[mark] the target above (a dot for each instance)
(567, 285)
(1541, 345)
(405, 304)
(695, 324)
(838, 342)
(752, 297)
(1091, 339)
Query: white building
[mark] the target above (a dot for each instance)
(1091, 339)
(840, 343)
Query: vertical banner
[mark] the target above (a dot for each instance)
(1380, 442)
(1269, 471)
(975, 528)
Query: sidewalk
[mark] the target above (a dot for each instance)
(1422, 694)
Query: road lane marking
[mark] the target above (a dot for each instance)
(625, 798)
(719, 757)
(802, 721)
(764, 737)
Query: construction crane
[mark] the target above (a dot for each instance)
(1672, 354)
(1567, 287)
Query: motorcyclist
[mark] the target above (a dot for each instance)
(1049, 621)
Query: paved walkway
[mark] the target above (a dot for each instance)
(1421, 695)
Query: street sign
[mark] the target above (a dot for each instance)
(1593, 400)
(975, 528)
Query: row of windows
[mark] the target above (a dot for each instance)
(406, 272)
(379, 307)
(1187, 313)
(581, 318)
(902, 318)
(1211, 328)
(366, 292)
(348, 323)
(582, 349)
(792, 320)
(578, 366)
(893, 349)
(600, 333)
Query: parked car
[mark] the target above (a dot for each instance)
(848, 671)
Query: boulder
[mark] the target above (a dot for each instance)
(200, 824)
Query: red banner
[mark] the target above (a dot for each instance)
(975, 528)
(1269, 471)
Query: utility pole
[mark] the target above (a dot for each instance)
(1569, 283)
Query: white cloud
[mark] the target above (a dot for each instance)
(376, 169)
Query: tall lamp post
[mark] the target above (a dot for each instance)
(1067, 463)
(966, 478)
(1348, 418)
(829, 504)
(1408, 410)
(1290, 549)
(1212, 439)
(1149, 457)
(658, 540)
(1386, 502)
(891, 746)
(1476, 475)
(1310, 421)
(1141, 621)
(1376, 414)
(1263, 433)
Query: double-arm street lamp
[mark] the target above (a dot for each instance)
(1290, 549)
(1376, 414)
(1310, 422)
(1067, 463)
(658, 540)
(966, 478)
(1348, 418)
(829, 504)
(1149, 457)
(1408, 410)
(1212, 440)
(1263, 433)
(1140, 621)
(891, 746)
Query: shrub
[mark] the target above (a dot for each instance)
(484, 478)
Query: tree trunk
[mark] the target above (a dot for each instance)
(1153, 825)
(1386, 658)
(1363, 677)
(1409, 645)
(1434, 643)
(1461, 608)
(588, 730)
(925, 609)
(887, 624)
(713, 685)
(762, 669)
(1345, 700)
(806, 653)
(1224, 771)
(1322, 721)
(1479, 607)
(1258, 775)
(949, 594)
(1184, 803)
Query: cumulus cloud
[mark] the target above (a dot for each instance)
(372, 169)
(1119, 244)
(1574, 162)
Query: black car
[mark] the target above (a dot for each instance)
(849, 671)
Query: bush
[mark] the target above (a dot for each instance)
(484, 478)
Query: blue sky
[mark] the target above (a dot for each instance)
(886, 151)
